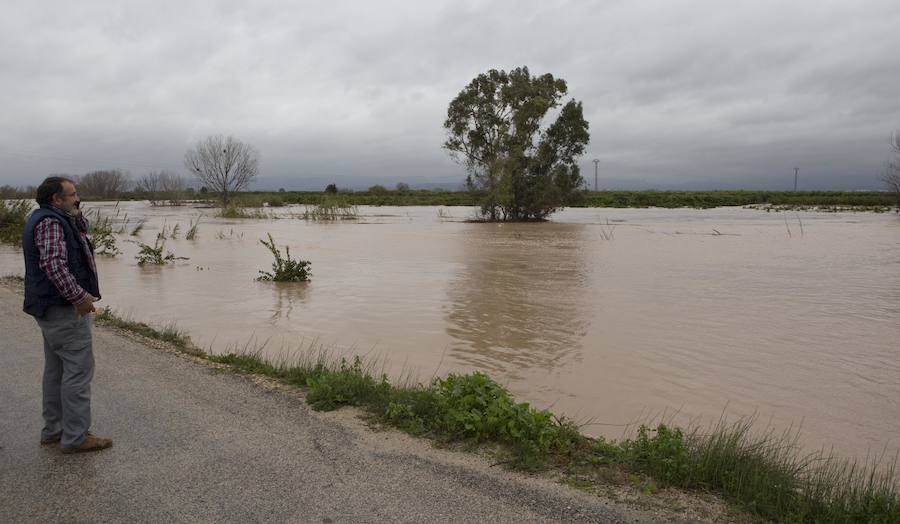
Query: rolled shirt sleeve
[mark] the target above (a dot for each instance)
(49, 239)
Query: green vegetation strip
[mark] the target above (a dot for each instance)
(765, 475)
(169, 334)
(867, 200)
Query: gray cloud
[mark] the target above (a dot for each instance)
(681, 93)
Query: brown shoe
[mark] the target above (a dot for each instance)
(91, 443)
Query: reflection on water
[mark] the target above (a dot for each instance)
(518, 300)
(287, 295)
(604, 314)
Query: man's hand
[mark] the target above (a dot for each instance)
(86, 307)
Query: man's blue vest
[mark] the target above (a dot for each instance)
(40, 293)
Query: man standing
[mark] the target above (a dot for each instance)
(61, 287)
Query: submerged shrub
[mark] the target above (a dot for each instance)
(237, 210)
(12, 220)
(284, 268)
(154, 254)
(332, 208)
(102, 236)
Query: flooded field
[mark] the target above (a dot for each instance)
(611, 316)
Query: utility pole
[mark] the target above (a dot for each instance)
(796, 173)
(596, 164)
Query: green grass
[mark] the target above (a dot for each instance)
(169, 334)
(764, 474)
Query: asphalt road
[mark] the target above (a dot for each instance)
(194, 444)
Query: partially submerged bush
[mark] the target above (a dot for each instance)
(102, 236)
(235, 210)
(13, 214)
(284, 268)
(331, 208)
(153, 255)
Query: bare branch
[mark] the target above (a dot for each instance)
(223, 164)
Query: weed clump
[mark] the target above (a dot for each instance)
(284, 268)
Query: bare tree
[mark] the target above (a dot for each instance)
(105, 185)
(891, 176)
(160, 186)
(224, 164)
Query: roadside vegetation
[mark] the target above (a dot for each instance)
(764, 474)
(169, 334)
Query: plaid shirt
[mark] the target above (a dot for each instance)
(49, 238)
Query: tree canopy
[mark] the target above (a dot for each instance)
(891, 175)
(524, 167)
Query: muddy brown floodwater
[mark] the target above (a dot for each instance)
(610, 316)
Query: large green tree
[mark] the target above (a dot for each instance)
(891, 175)
(524, 166)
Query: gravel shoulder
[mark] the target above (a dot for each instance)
(196, 444)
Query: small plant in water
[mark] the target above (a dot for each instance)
(154, 254)
(284, 269)
(192, 230)
(102, 235)
(137, 228)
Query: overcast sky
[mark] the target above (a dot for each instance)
(700, 94)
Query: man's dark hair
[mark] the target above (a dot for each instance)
(50, 186)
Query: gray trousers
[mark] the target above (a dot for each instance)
(68, 370)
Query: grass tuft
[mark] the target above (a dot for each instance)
(169, 334)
